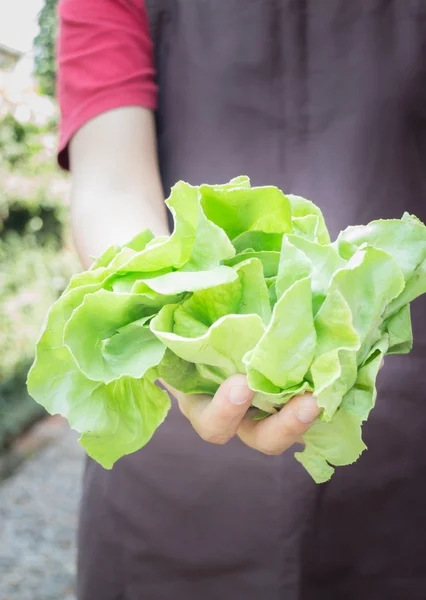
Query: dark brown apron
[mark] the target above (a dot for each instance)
(326, 99)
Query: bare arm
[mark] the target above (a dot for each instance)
(116, 190)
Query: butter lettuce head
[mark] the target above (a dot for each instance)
(247, 282)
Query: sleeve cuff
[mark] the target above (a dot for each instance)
(146, 98)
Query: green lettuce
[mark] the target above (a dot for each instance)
(248, 282)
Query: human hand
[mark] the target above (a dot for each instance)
(217, 420)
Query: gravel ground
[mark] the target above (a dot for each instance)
(38, 518)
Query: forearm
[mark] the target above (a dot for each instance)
(116, 189)
(113, 220)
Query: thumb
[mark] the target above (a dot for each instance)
(217, 419)
(278, 432)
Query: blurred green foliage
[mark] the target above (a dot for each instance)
(38, 219)
(36, 260)
(44, 47)
(31, 279)
(18, 142)
(22, 146)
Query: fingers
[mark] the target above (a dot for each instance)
(220, 418)
(278, 432)
(217, 419)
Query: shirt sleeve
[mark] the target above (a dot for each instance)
(105, 61)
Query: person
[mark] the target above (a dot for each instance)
(323, 99)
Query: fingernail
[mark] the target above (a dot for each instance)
(307, 409)
(238, 394)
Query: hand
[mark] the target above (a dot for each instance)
(219, 419)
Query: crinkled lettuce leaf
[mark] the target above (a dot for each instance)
(196, 243)
(403, 239)
(258, 241)
(219, 325)
(334, 368)
(116, 340)
(285, 352)
(308, 220)
(398, 327)
(339, 442)
(222, 345)
(370, 280)
(113, 419)
(237, 211)
(269, 259)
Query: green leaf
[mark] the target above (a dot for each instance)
(334, 368)
(400, 333)
(126, 283)
(112, 424)
(223, 345)
(324, 261)
(270, 402)
(414, 287)
(211, 245)
(190, 281)
(269, 259)
(334, 326)
(100, 275)
(174, 251)
(217, 326)
(338, 441)
(258, 241)
(317, 467)
(306, 227)
(294, 265)
(404, 240)
(362, 397)
(256, 209)
(196, 243)
(367, 300)
(333, 374)
(86, 278)
(286, 350)
(302, 211)
(54, 371)
(116, 341)
(184, 376)
(140, 241)
(57, 317)
(105, 259)
(126, 414)
(271, 283)
(241, 182)
(248, 294)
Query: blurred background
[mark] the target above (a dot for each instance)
(40, 462)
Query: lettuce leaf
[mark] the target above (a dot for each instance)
(285, 352)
